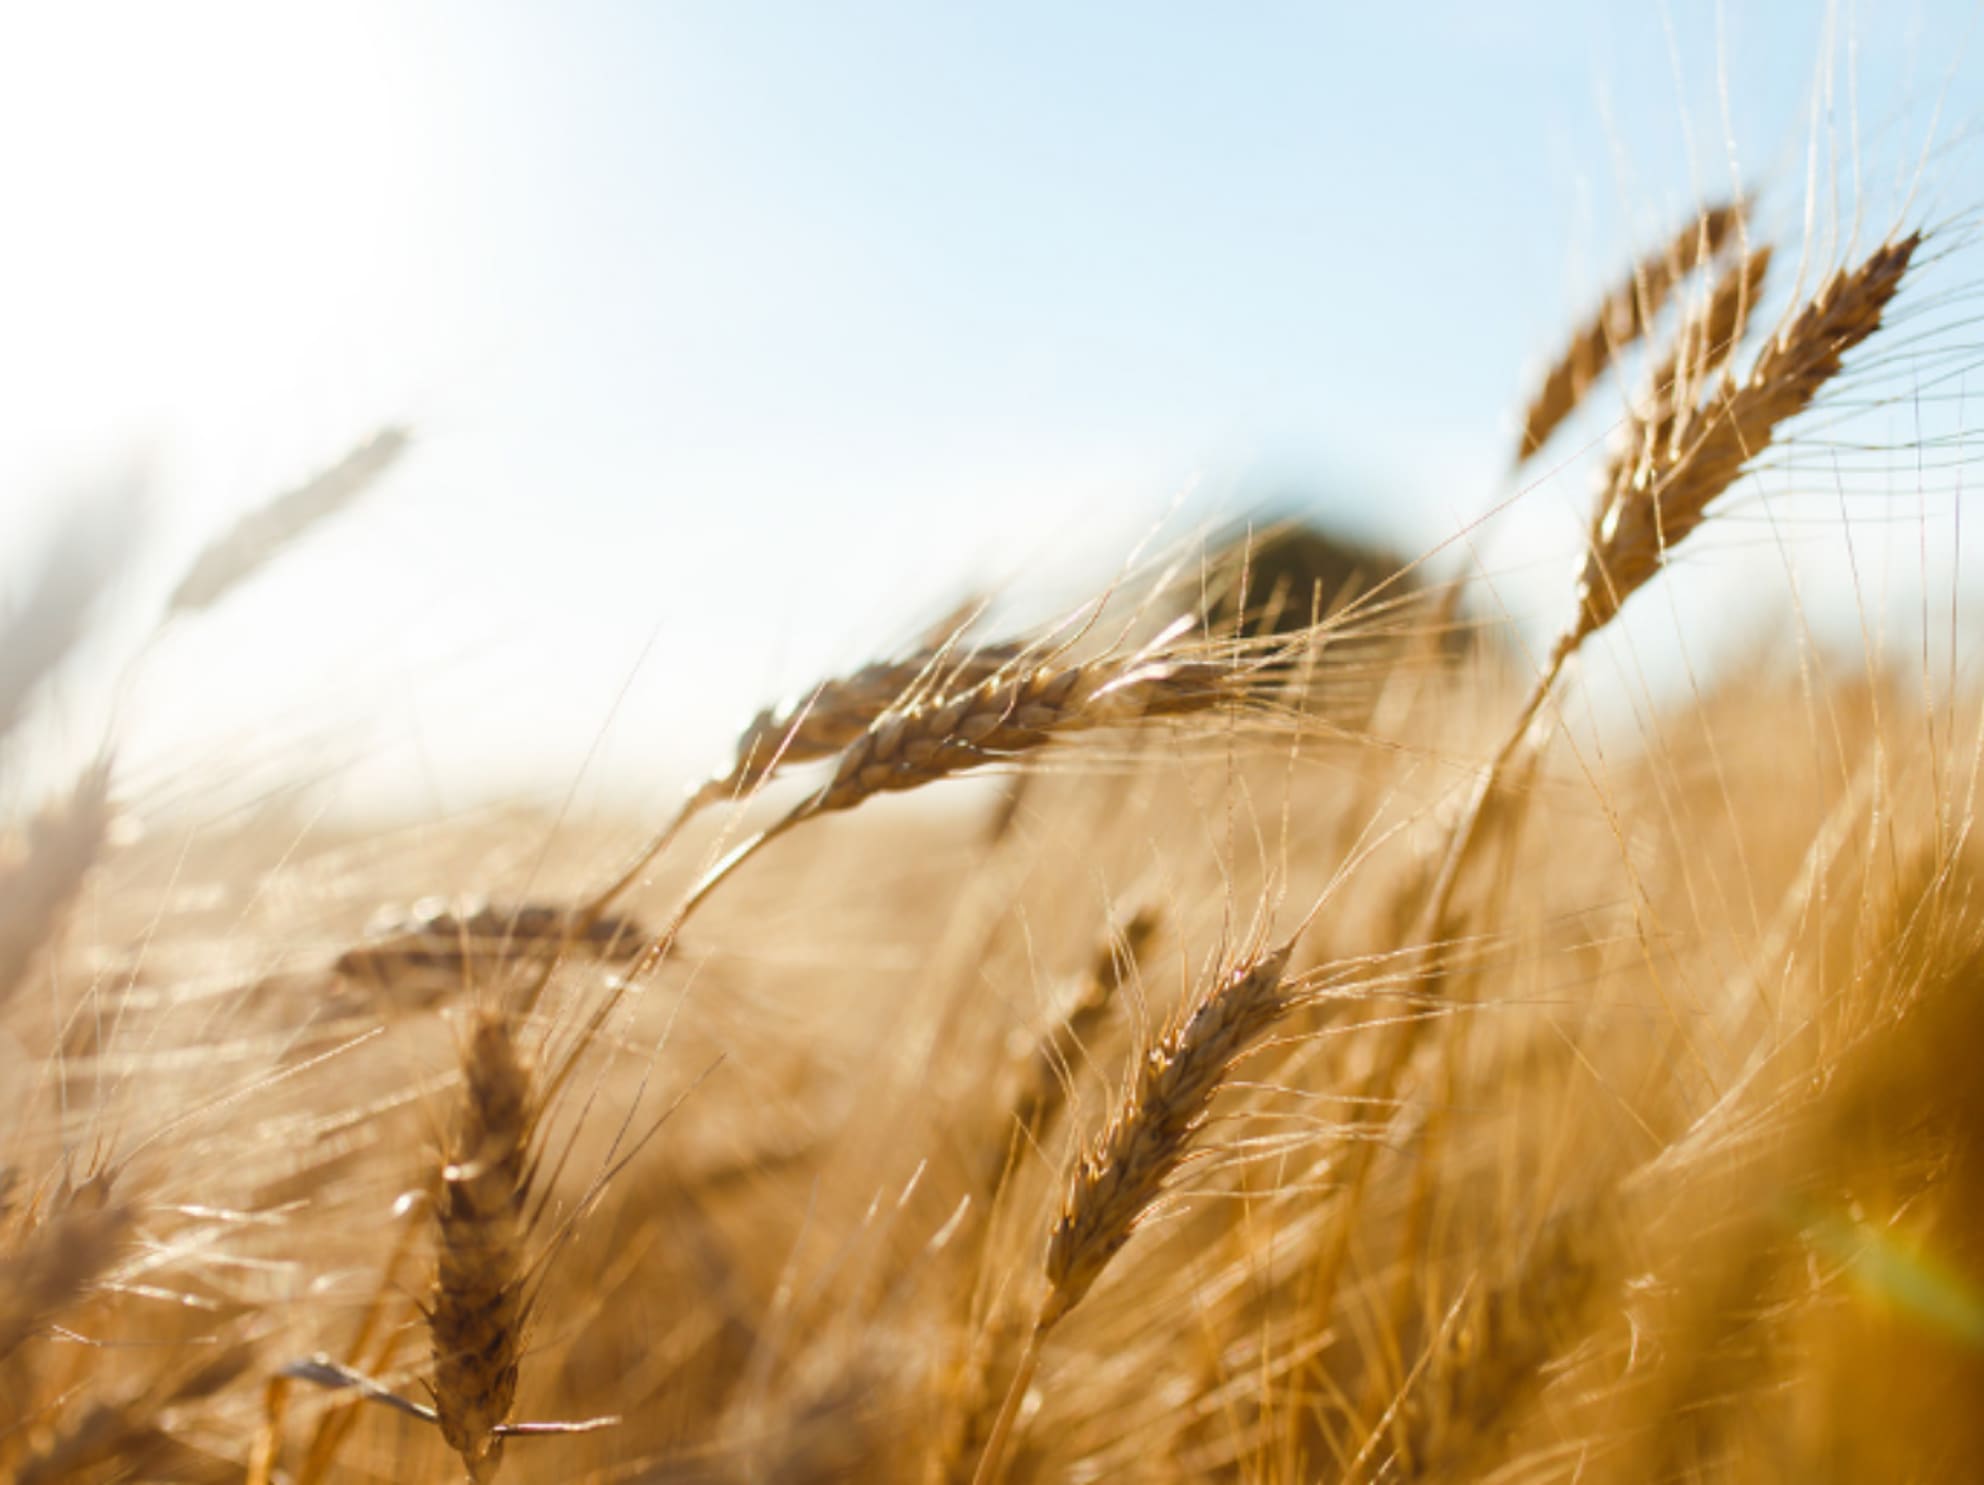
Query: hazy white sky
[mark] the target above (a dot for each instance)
(738, 337)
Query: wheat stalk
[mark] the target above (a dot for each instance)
(1622, 318)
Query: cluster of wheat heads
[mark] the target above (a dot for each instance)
(1266, 1098)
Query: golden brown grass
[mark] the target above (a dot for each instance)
(1608, 1115)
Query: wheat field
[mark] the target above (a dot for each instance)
(1263, 1035)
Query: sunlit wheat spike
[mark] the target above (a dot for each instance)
(1621, 319)
(476, 1313)
(1122, 1176)
(258, 537)
(1018, 712)
(1669, 496)
(1120, 1179)
(838, 711)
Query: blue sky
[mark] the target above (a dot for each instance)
(739, 337)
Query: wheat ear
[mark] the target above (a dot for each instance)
(1670, 492)
(832, 716)
(1701, 348)
(1621, 319)
(477, 1310)
(1014, 714)
(1486, 1367)
(1119, 1180)
(238, 553)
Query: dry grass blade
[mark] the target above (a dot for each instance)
(1670, 493)
(35, 893)
(247, 546)
(476, 1313)
(1621, 319)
